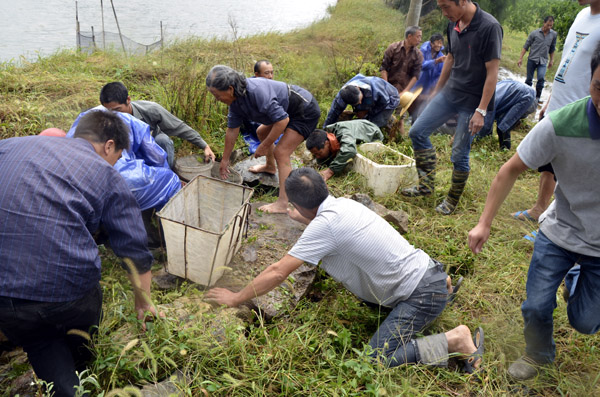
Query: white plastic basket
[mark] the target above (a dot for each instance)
(384, 179)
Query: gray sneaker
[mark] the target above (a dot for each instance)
(524, 368)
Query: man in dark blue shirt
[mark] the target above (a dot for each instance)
(55, 193)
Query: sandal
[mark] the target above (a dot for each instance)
(531, 236)
(468, 363)
(517, 215)
(455, 289)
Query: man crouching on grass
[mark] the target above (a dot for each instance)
(373, 261)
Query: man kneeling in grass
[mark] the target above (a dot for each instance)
(372, 260)
(336, 145)
(569, 139)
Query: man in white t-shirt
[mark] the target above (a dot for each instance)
(372, 260)
(571, 83)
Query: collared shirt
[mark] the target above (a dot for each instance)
(361, 250)
(478, 43)
(161, 120)
(266, 102)
(401, 64)
(568, 139)
(55, 192)
(540, 45)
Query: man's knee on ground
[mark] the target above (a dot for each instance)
(585, 324)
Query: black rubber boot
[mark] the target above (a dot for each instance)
(503, 139)
(459, 180)
(425, 161)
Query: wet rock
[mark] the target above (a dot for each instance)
(252, 178)
(165, 281)
(168, 387)
(237, 155)
(398, 218)
(288, 294)
(249, 254)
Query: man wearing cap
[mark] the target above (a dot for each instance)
(466, 87)
(371, 98)
(335, 146)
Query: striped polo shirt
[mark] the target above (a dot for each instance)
(363, 251)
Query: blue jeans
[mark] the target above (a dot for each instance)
(571, 279)
(532, 67)
(381, 118)
(437, 112)
(166, 143)
(394, 336)
(41, 329)
(549, 265)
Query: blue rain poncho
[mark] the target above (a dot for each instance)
(144, 166)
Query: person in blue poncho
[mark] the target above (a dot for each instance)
(144, 166)
(431, 69)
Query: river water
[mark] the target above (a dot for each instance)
(32, 28)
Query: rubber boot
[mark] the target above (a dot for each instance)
(425, 161)
(503, 139)
(459, 180)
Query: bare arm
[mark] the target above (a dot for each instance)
(489, 87)
(230, 138)
(410, 85)
(384, 75)
(551, 60)
(268, 279)
(520, 62)
(501, 186)
(141, 290)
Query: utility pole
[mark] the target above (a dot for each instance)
(414, 13)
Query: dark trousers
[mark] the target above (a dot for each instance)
(41, 329)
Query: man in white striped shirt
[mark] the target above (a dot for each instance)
(373, 261)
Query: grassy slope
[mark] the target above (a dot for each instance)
(310, 350)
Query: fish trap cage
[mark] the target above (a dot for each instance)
(203, 226)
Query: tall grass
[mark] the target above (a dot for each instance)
(316, 348)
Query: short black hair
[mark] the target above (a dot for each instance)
(436, 37)
(114, 92)
(259, 63)
(100, 126)
(316, 139)
(306, 187)
(596, 59)
(350, 94)
(547, 18)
